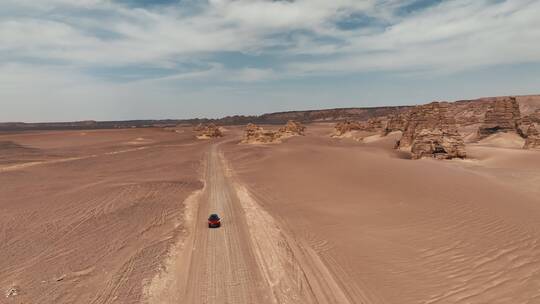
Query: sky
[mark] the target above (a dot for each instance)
(67, 60)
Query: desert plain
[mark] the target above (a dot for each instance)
(119, 216)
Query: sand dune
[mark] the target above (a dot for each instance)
(503, 140)
(403, 231)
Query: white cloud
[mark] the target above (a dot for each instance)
(463, 33)
(154, 36)
(453, 36)
(55, 43)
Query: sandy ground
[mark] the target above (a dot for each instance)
(250, 259)
(120, 217)
(88, 217)
(401, 231)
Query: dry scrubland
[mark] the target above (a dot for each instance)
(102, 217)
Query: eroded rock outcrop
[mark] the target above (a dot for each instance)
(503, 115)
(254, 134)
(375, 124)
(251, 130)
(535, 117)
(208, 131)
(292, 128)
(395, 122)
(430, 131)
(439, 144)
(346, 126)
(530, 119)
(533, 138)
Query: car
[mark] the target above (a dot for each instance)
(214, 221)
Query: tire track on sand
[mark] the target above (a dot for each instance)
(249, 259)
(293, 270)
(223, 268)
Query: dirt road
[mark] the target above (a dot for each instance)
(223, 267)
(250, 259)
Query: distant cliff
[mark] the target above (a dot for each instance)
(271, 118)
(465, 112)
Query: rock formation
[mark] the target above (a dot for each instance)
(535, 117)
(255, 134)
(430, 131)
(251, 130)
(438, 144)
(375, 124)
(396, 122)
(527, 120)
(208, 131)
(346, 126)
(470, 112)
(292, 128)
(533, 138)
(503, 115)
(371, 125)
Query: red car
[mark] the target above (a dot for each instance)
(214, 221)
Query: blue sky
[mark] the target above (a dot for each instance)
(132, 59)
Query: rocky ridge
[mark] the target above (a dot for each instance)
(533, 138)
(375, 124)
(430, 131)
(503, 115)
(395, 122)
(534, 117)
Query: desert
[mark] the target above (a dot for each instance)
(86, 216)
(269, 152)
(118, 215)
